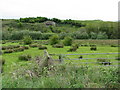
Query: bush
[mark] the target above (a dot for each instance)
(80, 35)
(80, 57)
(18, 35)
(10, 47)
(17, 46)
(25, 47)
(92, 45)
(93, 48)
(118, 58)
(19, 49)
(42, 47)
(33, 45)
(58, 46)
(27, 40)
(62, 35)
(75, 45)
(3, 42)
(103, 61)
(54, 40)
(8, 51)
(73, 48)
(102, 35)
(93, 35)
(85, 45)
(25, 57)
(46, 36)
(114, 45)
(67, 41)
(4, 47)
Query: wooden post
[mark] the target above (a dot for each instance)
(48, 60)
(60, 58)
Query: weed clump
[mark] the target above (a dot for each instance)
(117, 58)
(103, 61)
(58, 46)
(9, 51)
(25, 57)
(93, 47)
(73, 48)
(33, 45)
(42, 47)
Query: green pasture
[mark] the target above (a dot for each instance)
(12, 58)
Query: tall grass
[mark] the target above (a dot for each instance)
(64, 76)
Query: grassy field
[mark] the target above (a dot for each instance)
(82, 79)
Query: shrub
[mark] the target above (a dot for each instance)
(33, 45)
(27, 40)
(17, 46)
(42, 47)
(46, 36)
(85, 45)
(2, 61)
(118, 58)
(58, 46)
(3, 42)
(4, 47)
(10, 47)
(54, 40)
(8, 51)
(75, 45)
(25, 47)
(80, 57)
(62, 35)
(102, 35)
(18, 35)
(93, 48)
(93, 35)
(73, 48)
(67, 41)
(19, 49)
(114, 46)
(80, 35)
(103, 61)
(25, 57)
(92, 45)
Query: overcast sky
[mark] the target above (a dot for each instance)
(106, 10)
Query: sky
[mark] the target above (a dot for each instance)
(106, 10)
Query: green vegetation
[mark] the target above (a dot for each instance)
(68, 41)
(54, 40)
(39, 29)
(26, 64)
(27, 40)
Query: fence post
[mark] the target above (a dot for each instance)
(60, 58)
(48, 60)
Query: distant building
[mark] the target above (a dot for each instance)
(50, 23)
